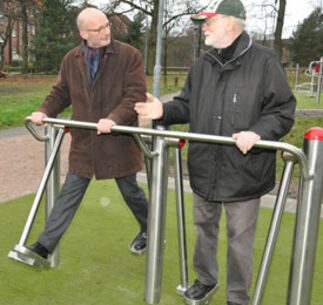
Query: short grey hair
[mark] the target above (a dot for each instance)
(241, 23)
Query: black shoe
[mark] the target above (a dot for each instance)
(199, 292)
(139, 245)
(232, 303)
(39, 249)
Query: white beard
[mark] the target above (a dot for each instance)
(209, 41)
(218, 43)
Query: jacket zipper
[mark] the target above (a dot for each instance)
(233, 59)
(234, 100)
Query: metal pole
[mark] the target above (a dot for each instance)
(180, 222)
(41, 189)
(156, 224)
(156, 214)
(307, 222)
(53, 185)
(157, 68)
(298, 153)
(273, 232)
(296, 76)
(319, 83)
(311, 92)
(146, 42)
(194, 41)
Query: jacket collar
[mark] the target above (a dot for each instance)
(242, 47)
(110, 49)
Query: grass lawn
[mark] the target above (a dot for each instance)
(306, 102)
(20, 96)
(96, 267)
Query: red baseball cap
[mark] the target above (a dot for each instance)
(225, 7)
(203, 16)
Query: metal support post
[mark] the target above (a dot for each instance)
(53, 185)
(156, 223)
(273, 229)
(312, 85)
(21, 253)
(180, 222)
(307, 222)
(319, 82)
(296, 76)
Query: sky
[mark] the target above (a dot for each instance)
(296, 12)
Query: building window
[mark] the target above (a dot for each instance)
(1, 18)
(13, 33)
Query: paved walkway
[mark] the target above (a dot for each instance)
(22, 165)
(314, 113)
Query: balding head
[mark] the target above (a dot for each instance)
(87, 15)
(94, 27)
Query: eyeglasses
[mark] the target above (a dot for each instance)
(209, 21)
(100, 29)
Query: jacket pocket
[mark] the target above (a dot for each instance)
(243, 106)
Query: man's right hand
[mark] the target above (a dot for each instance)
(37, 117)
(150, 111)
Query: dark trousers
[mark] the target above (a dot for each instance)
(241, 227)
(71, 196)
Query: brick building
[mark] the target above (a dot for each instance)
(10, 14)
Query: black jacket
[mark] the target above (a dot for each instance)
(249, 92)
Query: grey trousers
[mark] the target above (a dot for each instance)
(71, 196)
(241, 226)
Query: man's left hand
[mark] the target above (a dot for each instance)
(245, 140)
(104, 126)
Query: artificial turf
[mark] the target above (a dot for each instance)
(96, 267)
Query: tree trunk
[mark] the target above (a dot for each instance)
(278, 45)
(25, 53)
(7, 31)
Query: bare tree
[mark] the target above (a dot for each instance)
(179, 8)
(267, 12)
(22, 16)
(170, 36)
(278, 45)
(16, 13)
(262, 14)
(7, 9)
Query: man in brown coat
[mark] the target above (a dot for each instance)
(102, 79)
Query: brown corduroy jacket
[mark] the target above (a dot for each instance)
(119, 83)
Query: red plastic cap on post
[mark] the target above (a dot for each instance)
(181, 143)
(314, 133)
(317, 68)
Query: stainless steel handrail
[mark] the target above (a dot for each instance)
(33, 131)
(298, 153)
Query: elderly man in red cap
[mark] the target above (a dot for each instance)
(236, 89)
